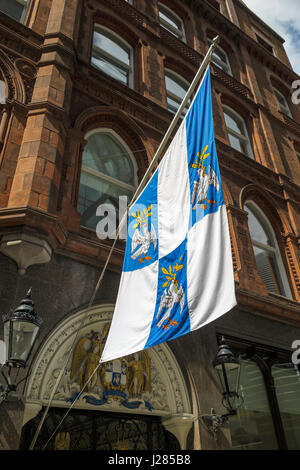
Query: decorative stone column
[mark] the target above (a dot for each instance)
(39, 170)
(179, 425)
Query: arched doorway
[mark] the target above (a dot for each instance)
(96, 430)
(137, 399)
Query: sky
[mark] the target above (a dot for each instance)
(284, 17)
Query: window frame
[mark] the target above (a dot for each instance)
(180, 34)
(267, 227)
(218, 62)
(179, 80)
(241, 137)
(102, 176)
(25, 5)
(284, 108)
(111, 35)
(264, 42)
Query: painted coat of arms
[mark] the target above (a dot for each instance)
(124, 380)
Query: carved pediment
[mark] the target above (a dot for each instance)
(149, 381)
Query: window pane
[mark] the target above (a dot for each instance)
(173, 105)
(220, 58)
(104, 156)
(103, 153)
(256, 230)
(219, 54)
(267, 268)
(95, 191)
(287, 385)
(112, 47)
(234, 123)
(170, 18)
(280, 98)
(12, 8)
(237, 144)
(176, 91)
(252, 428)
(220, 65)
(264, 43)
(175, 87)
(282, 102)
(111, 69)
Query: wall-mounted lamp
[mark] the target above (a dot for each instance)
(228, 368)
(21, 328)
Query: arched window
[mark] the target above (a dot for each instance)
(112, 55)
(170, 21)
(237, 132)
(176, 88)
(220, 58)
(266, 250)
(284, 107)
(108, 172)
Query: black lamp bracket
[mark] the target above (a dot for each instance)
(214, 421)
(10, 387)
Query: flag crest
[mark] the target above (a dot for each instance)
(177, 273)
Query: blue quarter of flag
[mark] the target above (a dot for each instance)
(202, 154)
(171, 317)
(142, 235)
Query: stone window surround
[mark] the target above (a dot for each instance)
(180, 32)
(120, 42)
(241, 137)
(263, 220)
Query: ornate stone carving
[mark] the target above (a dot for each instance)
(150, 381)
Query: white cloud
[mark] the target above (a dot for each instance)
(284, 18)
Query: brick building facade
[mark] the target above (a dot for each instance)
(81, 77)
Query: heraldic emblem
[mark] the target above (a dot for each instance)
(122, 380)
(142, 237)
(206, 177)
(173, 294)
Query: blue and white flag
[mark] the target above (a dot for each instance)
(178, 272)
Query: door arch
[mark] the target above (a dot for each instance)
(163, 394)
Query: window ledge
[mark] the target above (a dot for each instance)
(290, 121)
(284, 298)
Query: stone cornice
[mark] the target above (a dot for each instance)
(44, 224)
(253, 47)
(269, 306)
(83, 246)
(19, 39)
